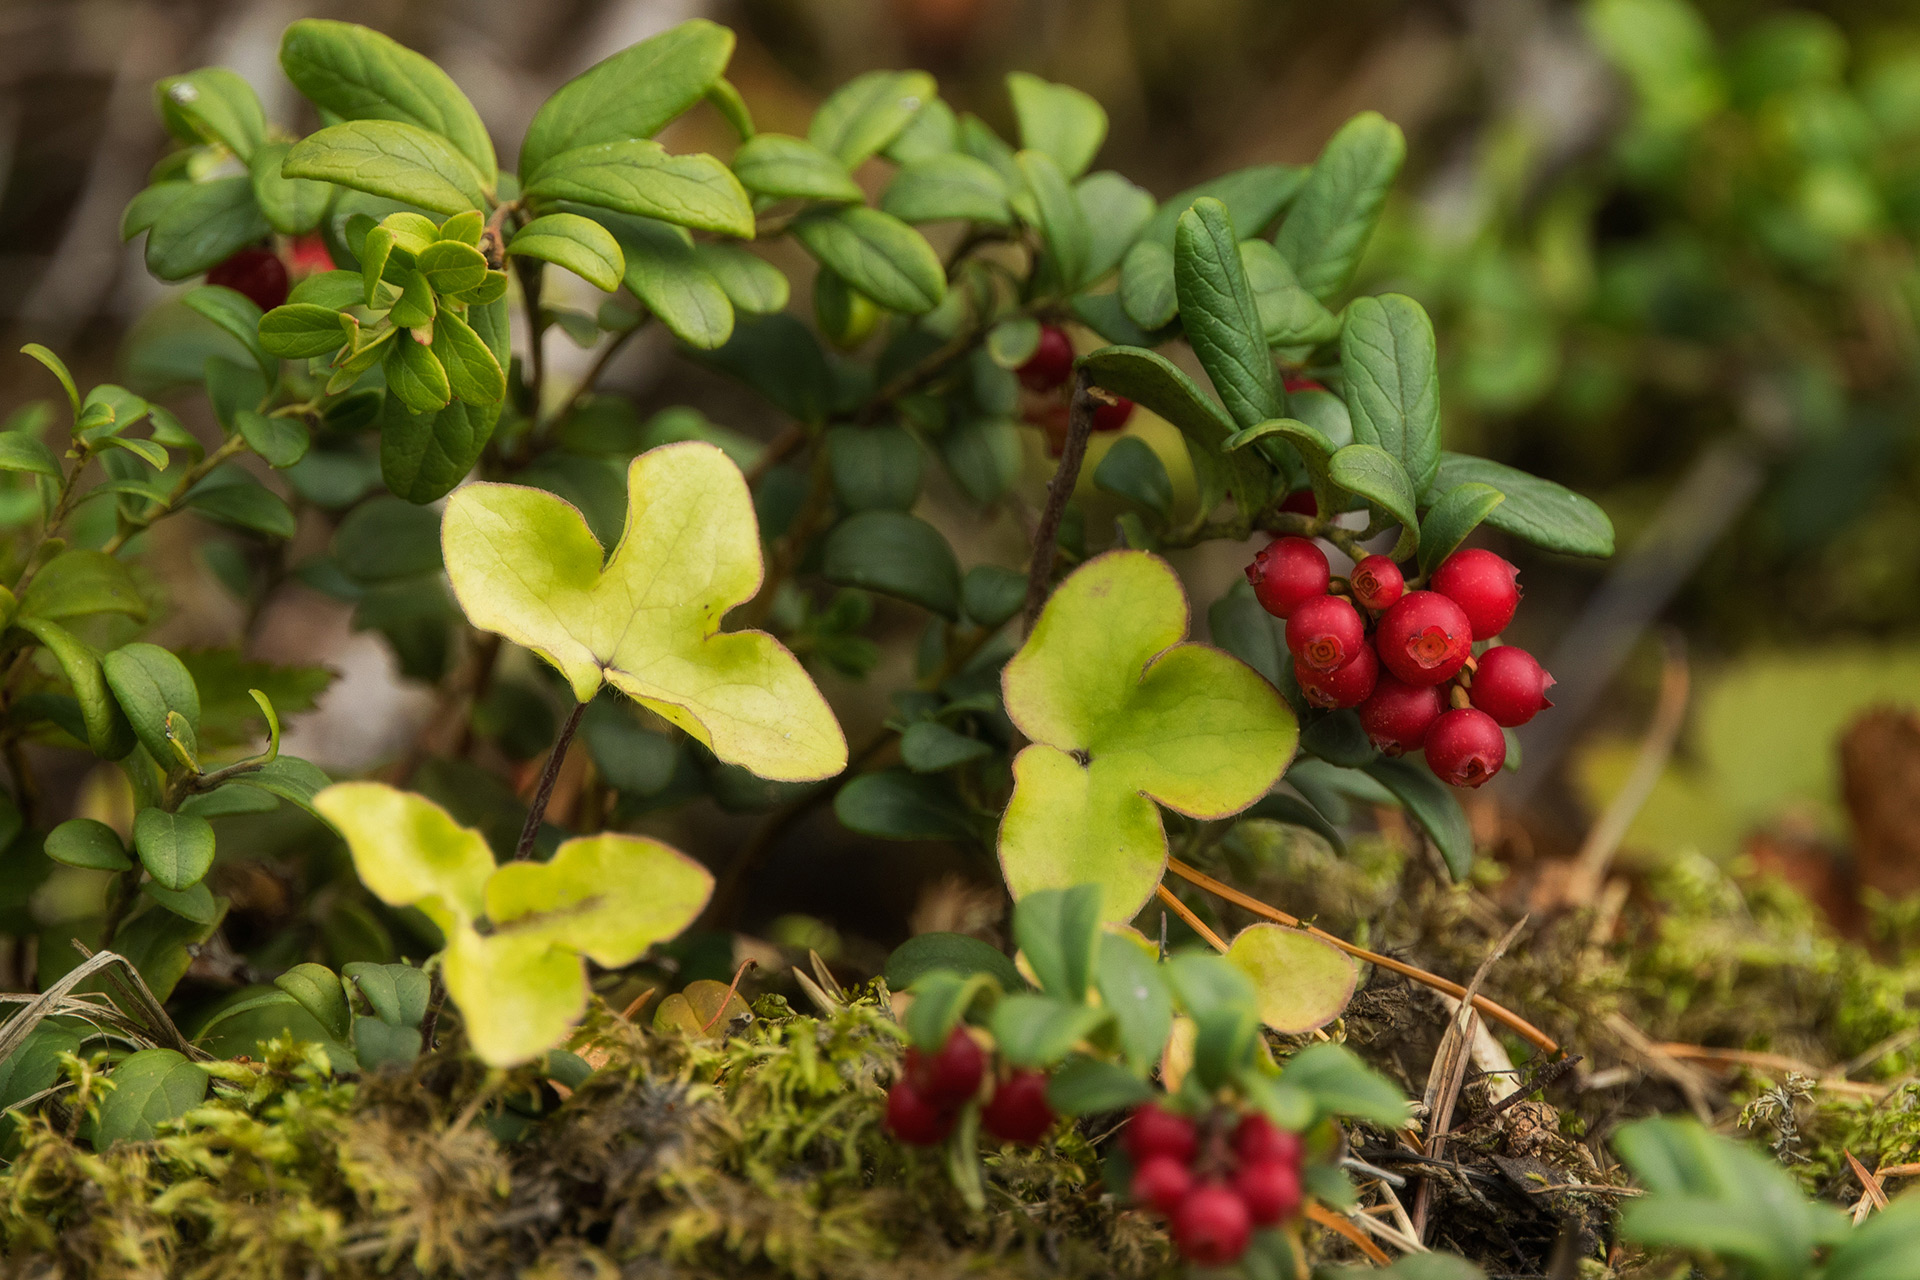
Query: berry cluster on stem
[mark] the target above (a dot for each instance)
(925, 1103)
(1047, 376)
(1216, 1179)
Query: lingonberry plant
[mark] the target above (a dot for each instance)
(558, 564)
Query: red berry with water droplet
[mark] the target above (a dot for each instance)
(1162, 1182)
(1051, 363)
(1486, 588)
(913, 1119)
(1425, 638)
(1510, 685)
(1288, 573)
(256, 273)
(1112, 417)
(1325, 633)
(951, 1076)
(1377, 583)
(1155, 1131)
(1397, 715)
(1344, 686)
(1018, 1110)
(1270, 1189)
(1212, 1226)
(1465, 747)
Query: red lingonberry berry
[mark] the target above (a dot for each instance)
(1212, 1226)
(308, 255)
(913, 1119)
(1510, 686)
(1424, 639)
(1397, 715)
(258, 274)
(1155, 1131)
(1300, 384)
(1270, 1189)
(952, 1076)
(1301, 502)
(1112, 417)
(1288, 573)
(1465, 747)
(1257, 1138)
(1051, 363)
(1378, 583)
(1051, 418)
(1326, 633)
(1344, 686)
(1484, 586)
(1018, 1110)
(1161, 1182)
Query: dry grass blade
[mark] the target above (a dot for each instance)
(154, 1028)
(1488, 1008)
(1774, 1062)
(1872, 1194)
(1194, 922)
(1654, 1058)
(1334, 1222)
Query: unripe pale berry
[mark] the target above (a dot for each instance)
(1484, 586)
(1257, 1138)
(1397, 715)
(951, 1076)
(1510, 686)
(913, 1119)
(1018, 1110)
(1270, 1189)
(1344, 686)
(1325, 633)
(1162, 1183)
(1112, 417)
(1424, 639)
(1377, 583)
(1155, 1131)
(256, 273)
(1051, 363)
(1465, 747)
(1288, 573)
(1212, 1226)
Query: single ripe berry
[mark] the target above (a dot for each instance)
(1484, 586)
(1155, 1131)
(1424, 639)
(1270, 1189)
(1510, 685)
(1162, 1183)
(1301, 384)
(1112, 417)
(1289, 572)
(1325, 633)
(913, 1119)
(1397, 715)
(1257, 1138)
(1211, 1226)
(1465, 747)
(1344, 686)
(1301, 502)
(1051, 363)
(1378, 583)
(258, 274)
(950, 1077)
(308, 255)
(1018, 1110)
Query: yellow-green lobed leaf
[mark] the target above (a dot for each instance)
(524, 564)
(1304, 983)
(1123, 712)
(608, 896)
(409, 851)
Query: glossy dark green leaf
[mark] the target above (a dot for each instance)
(451, 267)
(1295, 812)
(157, 692)
(779, 357)
(1146, 284)
(304, 331)
(175, 848)
(145, 208)
(579, 244)
(931, 747)
(317, 989)
(896, 804)
(632, 94)
(664, 272)
(955, 952)
(1218, 312)
(236, 314)
(1310, 445)
(1377, 476)
(203, 227)
(879, 255)
(1136, 992)
(292, 206)
(1333, 217)
(984, 456)
(933, 131)
(1540, 511)
(895, 554)
(473, 374)
(645, 179)
(773, 164)
(398, 993)
(150, 1087)
(386, 158)
(754, 285)
(1087, 1086)
(1116, 211)
(868, 112)
(358, 74)
(1457, 513)
(244, 504)
(1132, 470)
(941, 998)
(1431, 803)
(1059, 120)
(1339, 739)
(951, 186)
(874, 468)
(83, 842)
(35, 1064)
(108, 735)
(1393, 391)
(195, 902)
(990, 595)
(280, 442)
(289, 778)
(1289, 314)
(1037, 1031)
(1062, 223)
(415, 375)
(80, 582)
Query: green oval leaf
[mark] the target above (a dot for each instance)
(893, 804)
(1335, 212)
(83, 842)
(895, 554)
(303, 331)
(1146, 285)
(473, 374)
(664, 272)
(954, 953)
(773, 164)
(1378, 477)
(1393, 388)
(1059, 120)
(151, 686)
(80, 582)
(204, 227)
(754, 285)
(1218, 312)
(1457, 514)
(1060, 219)
(386, 158)
(215, 105)
(643, 178)
(150, 1087)
(868, 112)
(879, 255)
(1544, 513)
(948, 187)
(292, 206)
(175, 848)
(579, 244)
(108, 734)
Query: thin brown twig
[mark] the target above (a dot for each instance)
(1194, 922)
(1059, 489)
(548, 776)
(1499, 1013)
(1335, 1222)
(733, 989)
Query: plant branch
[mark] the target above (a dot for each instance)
(591, 378)
(236, 443)
(548, 777)
(1059, 489)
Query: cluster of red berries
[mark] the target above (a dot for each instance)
(1046, 374)
(263, 275)
(925, 1102)
(1217, 1180)
(1342, 634)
